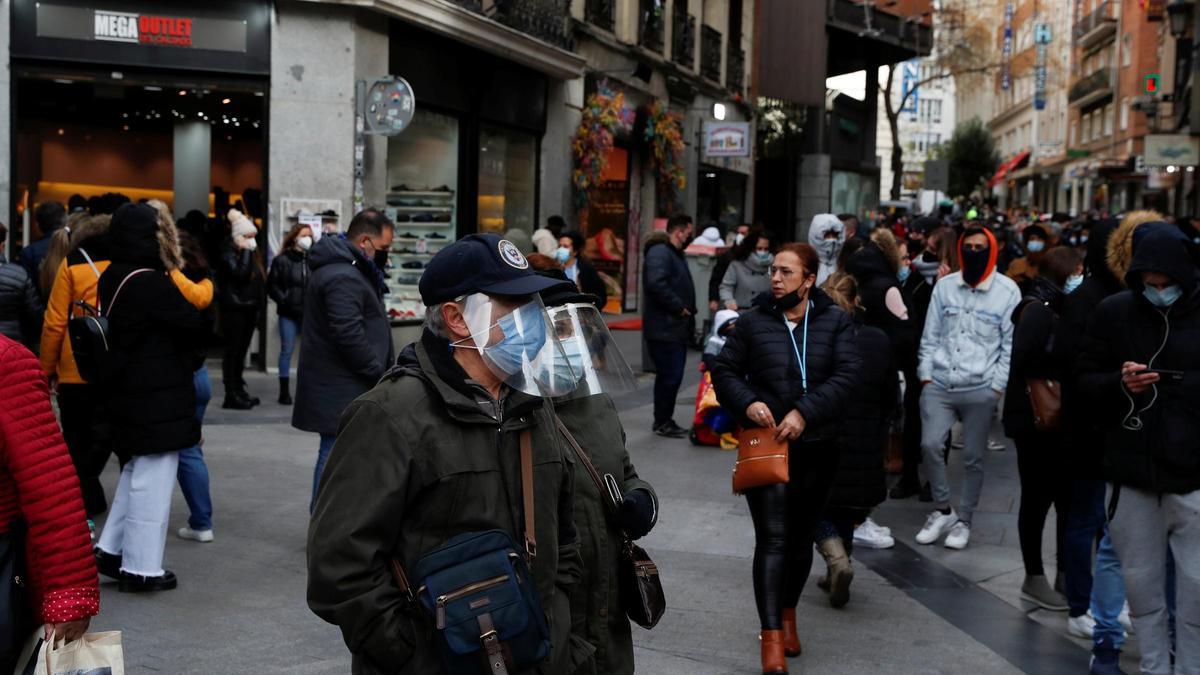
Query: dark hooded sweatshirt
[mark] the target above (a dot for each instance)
(1163, 456)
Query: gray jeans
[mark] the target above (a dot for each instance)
(1144, 522)
(939, 410)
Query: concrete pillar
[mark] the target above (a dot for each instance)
(814, 182)
(564, 100)
(193, 165)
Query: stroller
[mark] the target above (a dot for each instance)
(711, 424)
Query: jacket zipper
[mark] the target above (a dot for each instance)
(463, 592)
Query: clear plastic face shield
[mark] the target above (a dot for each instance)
(590, 363)
(517, 343)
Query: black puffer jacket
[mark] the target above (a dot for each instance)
(759, 363)
(875, 277)
(20, 305)
(668, 290)
(239, 279)
(1083, 428)
(287, 281)
(860, 481)
(1036, 324)
(1164, 455)
(151, 401)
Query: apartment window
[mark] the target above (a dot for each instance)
(1087, 127)
(1124, 113)
(1108, 120)
(1126, 50)
(1074, 133)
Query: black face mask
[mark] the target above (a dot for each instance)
(789, 301)
(974, 265)
(381, 258)
(929, 256)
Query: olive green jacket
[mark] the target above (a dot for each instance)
(424, 456)
(597, 614)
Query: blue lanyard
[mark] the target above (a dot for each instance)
(803, 360)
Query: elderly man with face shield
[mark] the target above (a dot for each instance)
(612, 504)
(454, 450)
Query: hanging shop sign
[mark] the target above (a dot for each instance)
(727, 139)
(389, 106)
(908, 83)
(1041, 36)
(1172, 149)
(1006, 48)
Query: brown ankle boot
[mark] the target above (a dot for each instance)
(791, 639)
(840, 572)
(773, 661)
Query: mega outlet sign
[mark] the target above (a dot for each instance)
(146, 29)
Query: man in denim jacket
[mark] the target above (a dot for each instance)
(964, 359)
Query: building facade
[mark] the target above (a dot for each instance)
(926, 121)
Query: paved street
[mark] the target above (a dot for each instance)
(240, 604)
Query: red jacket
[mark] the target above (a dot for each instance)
(38, 483)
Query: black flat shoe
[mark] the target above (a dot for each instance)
(108, 564)
(670, 430)
(136, 583)
(236, 403)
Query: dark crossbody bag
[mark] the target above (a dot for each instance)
(482, 596)
(637, 575)
(16, 614)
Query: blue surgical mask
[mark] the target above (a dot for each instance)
(568, 364)
(763, 257)
(562, 254)
(1073, 282)
(1035, 246)
(902, 275)
(519, 344)
(1163, 298)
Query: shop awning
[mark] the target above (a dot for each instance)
(475, 29)
(1007, 167)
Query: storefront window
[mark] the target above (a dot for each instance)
(507, 180)
(720, 198)
(606, 222)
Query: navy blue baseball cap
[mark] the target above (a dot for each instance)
(481, 263)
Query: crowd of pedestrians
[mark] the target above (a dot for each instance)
(860, 347)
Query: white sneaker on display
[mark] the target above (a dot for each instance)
(202, 536)
(936, 525)
(1081, 626)
(871, 535)
(959, 535)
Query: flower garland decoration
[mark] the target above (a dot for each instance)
(604, 115)
(664, 135)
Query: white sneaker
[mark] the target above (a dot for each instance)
(996, 446)
(936, 525)
(877, 527)
(870, 535)
(1124, 620)
(959, 535)
(1081, 626)
(202, 536)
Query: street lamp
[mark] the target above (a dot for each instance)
(1180, 14)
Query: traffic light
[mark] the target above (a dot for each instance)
(1152, 83)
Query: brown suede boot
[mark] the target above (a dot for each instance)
(840, 572)
(791, 639)
(773, 661)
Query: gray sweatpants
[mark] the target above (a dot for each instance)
(1142, 529)
(939, 410)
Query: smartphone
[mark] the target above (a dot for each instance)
(1167, 376)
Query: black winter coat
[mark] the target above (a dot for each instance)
(758, 363)
(151, 400)
(287, 281)
(1164, 455)
(860, 481)
(668, 290)
(1033, 353)
(346, 333)
(239, 281)
(589, 282)
(20, 305)
(870, 269)
(918, 293)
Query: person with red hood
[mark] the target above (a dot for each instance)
(963, 366)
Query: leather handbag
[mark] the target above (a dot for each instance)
(1045, 396)
(637, 576)
(761, 460)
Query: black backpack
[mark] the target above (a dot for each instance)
(91, 341)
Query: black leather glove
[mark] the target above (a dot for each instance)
(637, 513)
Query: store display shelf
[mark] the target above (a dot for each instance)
(418, 223)
(420, 193)
(423, 209)
(428, 241)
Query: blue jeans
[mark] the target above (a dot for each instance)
(322, 456)
(669, 358)
(1108, 595)
(288, 329)
(193, 473)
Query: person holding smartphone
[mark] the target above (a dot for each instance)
(1141, 368)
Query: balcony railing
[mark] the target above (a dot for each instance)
(710, 53)
(600, 13)
(735, 68)
(1095, 27)
(1090, 87)
(651, 22)
(547, 20)
(683, 38)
